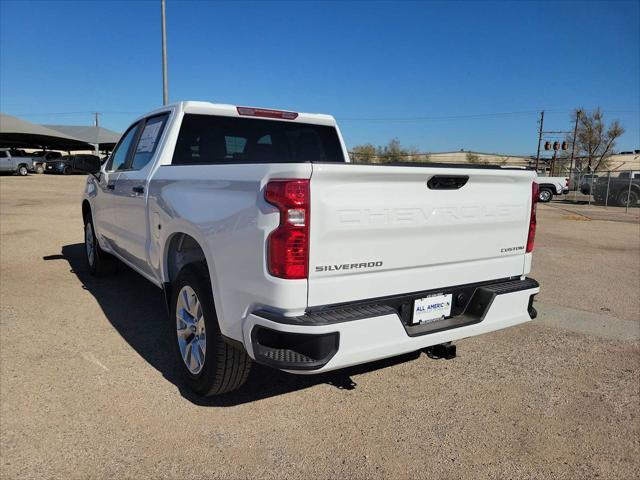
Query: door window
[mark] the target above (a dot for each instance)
(3, 155)
(148, 141)
(118, 159)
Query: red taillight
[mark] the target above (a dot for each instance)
(288, 244)
(532, 219)
(266, 113)
(566, 182)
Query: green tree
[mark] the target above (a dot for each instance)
(473, 158)
(363, 153)
(391, 152)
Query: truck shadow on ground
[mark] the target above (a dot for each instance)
(135, 308)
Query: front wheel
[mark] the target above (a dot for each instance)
(39, 169)
(210, 365)
(22, 170)
(545, 195)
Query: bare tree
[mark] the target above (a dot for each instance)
(595, 141)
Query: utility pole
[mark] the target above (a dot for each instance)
(539, 139)
(573, 144)
(96, 146)
(165, 83)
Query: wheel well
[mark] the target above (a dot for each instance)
(546, 186)
(86, 210)
(182, 250)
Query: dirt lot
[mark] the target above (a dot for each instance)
(88, 390)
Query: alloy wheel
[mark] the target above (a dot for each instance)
(190, 330)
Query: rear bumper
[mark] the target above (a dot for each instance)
(346, 335)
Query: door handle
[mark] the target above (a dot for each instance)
(111, 186)
(447, 182)
(139, 189)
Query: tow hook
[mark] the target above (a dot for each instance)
(443, 350)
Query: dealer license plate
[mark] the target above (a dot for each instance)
(431, 309)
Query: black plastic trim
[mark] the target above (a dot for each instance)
(330, 316)
(293, 351)
(471, 302)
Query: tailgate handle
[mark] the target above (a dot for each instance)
(447, 182)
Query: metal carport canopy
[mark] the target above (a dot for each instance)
(103, 137)
(18, 133)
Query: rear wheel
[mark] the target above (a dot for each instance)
(632, 197)
(209, 364)
(39, 169)
(22, 170)
(100, 263)
(66, 171)
(545, 195)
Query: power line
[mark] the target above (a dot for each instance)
(91, 112)
(349, 119)
(442, 117)
(471, 115)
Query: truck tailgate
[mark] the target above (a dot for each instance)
(379, 230)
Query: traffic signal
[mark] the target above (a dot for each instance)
(565, 146)
(556, 146)
(547, 146)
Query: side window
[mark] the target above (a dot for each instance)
(3, 154)
(148, 142)
(118, 158)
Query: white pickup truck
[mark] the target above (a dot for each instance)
(271, 246)
(550, 186)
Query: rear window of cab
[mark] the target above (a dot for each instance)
(209, 139)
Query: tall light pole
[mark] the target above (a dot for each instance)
(165, 82)
(539, 139)
(573, 146)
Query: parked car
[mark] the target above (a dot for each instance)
(40, 159)
(550, 186)
(270, 246)
(625, 187)
(64, 165)
(18, 165)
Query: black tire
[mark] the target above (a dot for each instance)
(545, 195)
(66, 171)
(624, 195)
(102, 263)
(22, 170)
(39, 169)
(225, 367)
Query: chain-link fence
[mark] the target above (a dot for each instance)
(605, 188)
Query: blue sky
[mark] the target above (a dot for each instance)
(383, 69)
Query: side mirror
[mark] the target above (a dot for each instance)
(86, 164)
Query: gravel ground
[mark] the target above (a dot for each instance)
(87, 389)
(590, 265)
